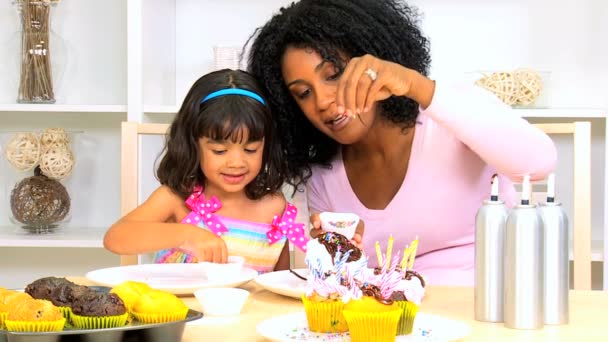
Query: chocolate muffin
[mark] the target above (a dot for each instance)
(97, 304)
(42, 288)
(67, 294)
(335, 242)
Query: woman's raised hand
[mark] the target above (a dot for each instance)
(367, 80)
(206, 246)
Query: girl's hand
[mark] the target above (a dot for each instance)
(206, 246)
(367, 80)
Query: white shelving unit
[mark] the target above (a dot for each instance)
(134, 60)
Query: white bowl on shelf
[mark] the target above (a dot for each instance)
(221, 301)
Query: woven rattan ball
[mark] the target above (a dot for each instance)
(23, 151)
(39, 201)
(502, 84)
(57, 162)
(530, 85)
(53, 137)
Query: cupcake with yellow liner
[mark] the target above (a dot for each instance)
(7, 299)
(375, 316)
(409, 292)
(34, 315)
(130, 291)
(330, 286)
(64, 295)
(98, 310)
(158, 306)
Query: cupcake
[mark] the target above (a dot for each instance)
(7, 298)
(42, 288)
(98, 310)
(157, 306)
(130, 291)
(331, 282)
(408, 295)
(64, 295)
(374, 317)
(33, 315)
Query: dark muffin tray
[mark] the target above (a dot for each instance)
(133, 332)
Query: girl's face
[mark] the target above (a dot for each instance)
(313, 83)
(229, 166)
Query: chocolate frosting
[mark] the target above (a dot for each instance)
(336, 242)
(409, 274)
(374, 291)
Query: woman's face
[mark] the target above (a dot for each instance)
(313, 83)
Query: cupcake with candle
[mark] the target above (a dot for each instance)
(375, 315)
(331, 283)
(322, 251)
(409, 291)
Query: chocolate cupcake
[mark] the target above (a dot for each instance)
(98, 310)
(42, 288)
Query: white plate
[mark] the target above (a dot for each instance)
(174, 278)
(427, 327)
(284, 282)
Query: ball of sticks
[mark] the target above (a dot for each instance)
(39, 202)
(502, 84)
(57, 162)
(530, 86)
(23, 151)
(53, 137)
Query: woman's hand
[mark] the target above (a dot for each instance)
(367, 80)
(206, 246)
(315, 223)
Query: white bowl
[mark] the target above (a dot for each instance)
(341, 223)
(221, 301)
(221, 272)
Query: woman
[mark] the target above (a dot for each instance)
(368, 132)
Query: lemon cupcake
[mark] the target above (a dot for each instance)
(408, 295)
(130, 291)
(98, 310)
(158, 306)
(6, 301)
(33, 315)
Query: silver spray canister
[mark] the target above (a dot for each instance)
(555, 230)
(524, 264)
(490, 224)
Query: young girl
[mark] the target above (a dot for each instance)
(221, 179)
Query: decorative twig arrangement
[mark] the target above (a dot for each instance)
(36, 84)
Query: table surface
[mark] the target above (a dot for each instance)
(587, 320)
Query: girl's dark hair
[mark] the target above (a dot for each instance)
(387, 29)
(220, 118)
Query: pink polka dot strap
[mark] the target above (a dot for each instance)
(287, 226)
(203, 210)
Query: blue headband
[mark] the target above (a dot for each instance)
(234, 91)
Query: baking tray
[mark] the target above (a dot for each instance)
(134, 332)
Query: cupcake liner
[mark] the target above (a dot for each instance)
(161, 317)
(372, 326)
(66, 311)
(325, 317)
(38, 326)
(99, 322)
(408, 315)
(3, 317)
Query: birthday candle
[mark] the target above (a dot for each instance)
(379, 254)
(413, 255)
(389, 250)
(406, 256)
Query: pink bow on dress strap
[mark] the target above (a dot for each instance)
(287, 226)
(203, 210)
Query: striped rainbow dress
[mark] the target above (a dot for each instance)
(243, 238)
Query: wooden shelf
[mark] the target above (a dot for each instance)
(18, 107)
(562, 112)
(71, 237)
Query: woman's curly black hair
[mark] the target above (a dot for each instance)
(387, 29)
(220, 118)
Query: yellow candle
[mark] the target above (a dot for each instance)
(414, 247)
(389, 251)
(379, 254)
(406, 255)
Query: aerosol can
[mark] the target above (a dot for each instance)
(490, 224)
